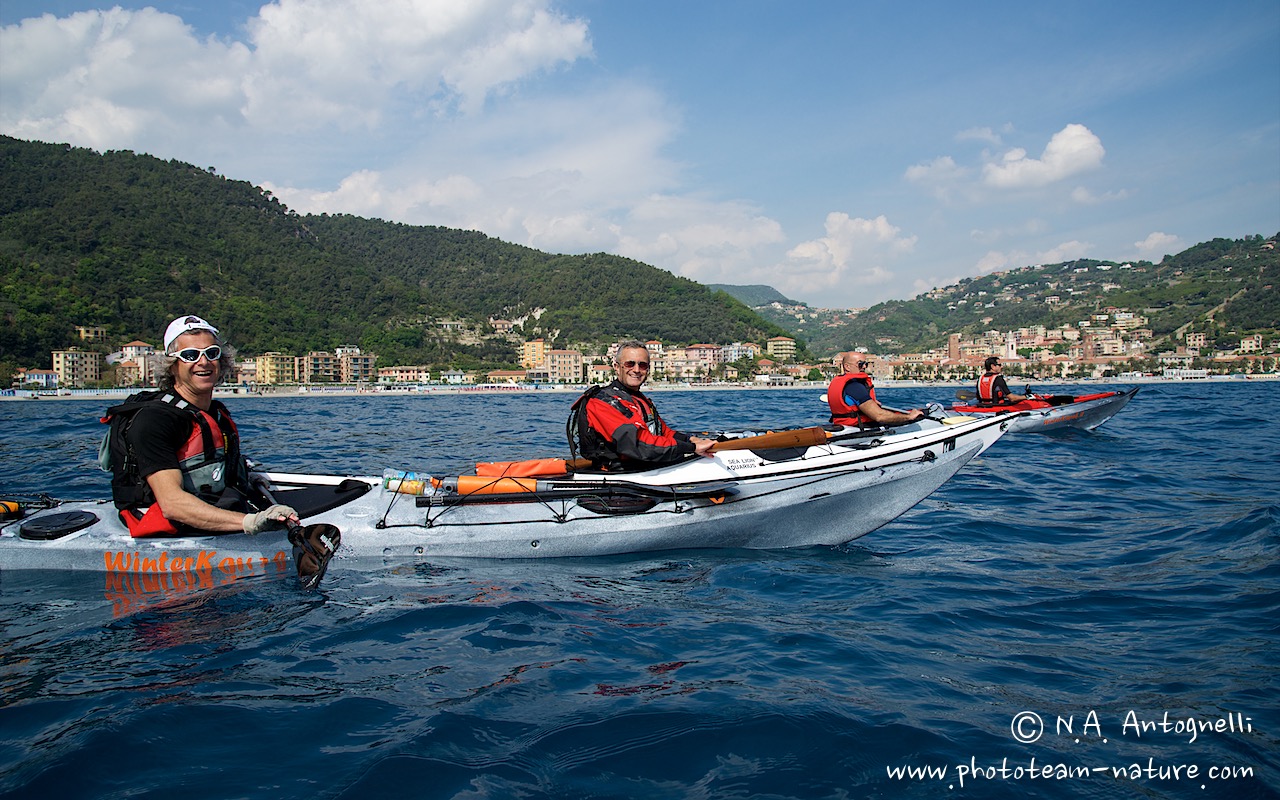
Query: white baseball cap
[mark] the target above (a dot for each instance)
(183, 325)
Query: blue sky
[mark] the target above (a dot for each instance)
(843, 152)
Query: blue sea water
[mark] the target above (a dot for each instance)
(1117, 586)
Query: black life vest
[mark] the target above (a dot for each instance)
(841, 412)
(210, 461)
(584, 440)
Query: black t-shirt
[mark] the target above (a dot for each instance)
(156, 435)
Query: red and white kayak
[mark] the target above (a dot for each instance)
(1047, 413)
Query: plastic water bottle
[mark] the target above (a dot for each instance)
(403, 482)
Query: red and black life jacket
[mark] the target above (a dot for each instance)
(841, 412)
(209, 460)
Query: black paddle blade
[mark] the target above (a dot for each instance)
(313, 548)
(964, 394)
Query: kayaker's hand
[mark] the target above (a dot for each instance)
(273, 518)
(703, 446)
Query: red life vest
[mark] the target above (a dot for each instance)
(987, 389)
(841, 412)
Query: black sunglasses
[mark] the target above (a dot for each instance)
(632, 364)
(192, 354)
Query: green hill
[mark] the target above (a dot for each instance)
(129, 241)
(754, 294)
(1224, 288)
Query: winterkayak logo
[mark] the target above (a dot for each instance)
(125, 561)
(134, 582)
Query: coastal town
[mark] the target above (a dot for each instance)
(1115, 343)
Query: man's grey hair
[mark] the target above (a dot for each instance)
(161, 365)
(630, 344)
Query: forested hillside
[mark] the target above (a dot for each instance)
(753, 294)
(129, 241)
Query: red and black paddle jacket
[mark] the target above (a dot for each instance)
(620, 429)
(209, 460)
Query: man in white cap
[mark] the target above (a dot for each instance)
(175, 453)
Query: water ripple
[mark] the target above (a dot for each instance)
(1133, 570)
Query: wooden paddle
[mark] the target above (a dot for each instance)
(802, 437)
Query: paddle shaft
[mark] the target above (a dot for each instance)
(803, 437)
(264, 487)
(296, 531)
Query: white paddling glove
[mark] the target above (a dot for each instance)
(271, 519)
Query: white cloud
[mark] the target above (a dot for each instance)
(370, 194)
(1085, 197)
(1158, 244)
(939, 170)
(980, 135)
(141, 79)
(996, 261)
(1031, 227)
(711, 242)
(581, 174)
(533, 171)
(854, 252)
(942, 176)
(342, 61)
(1067, 251)
(1072, 150)
(116, 79)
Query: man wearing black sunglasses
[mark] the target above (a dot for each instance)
(852, 397)
(618, 427)
(175, 453)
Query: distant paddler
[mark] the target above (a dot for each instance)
(993, 390)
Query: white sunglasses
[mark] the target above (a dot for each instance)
(192, 354)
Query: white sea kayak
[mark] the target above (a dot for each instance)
(826, 491)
